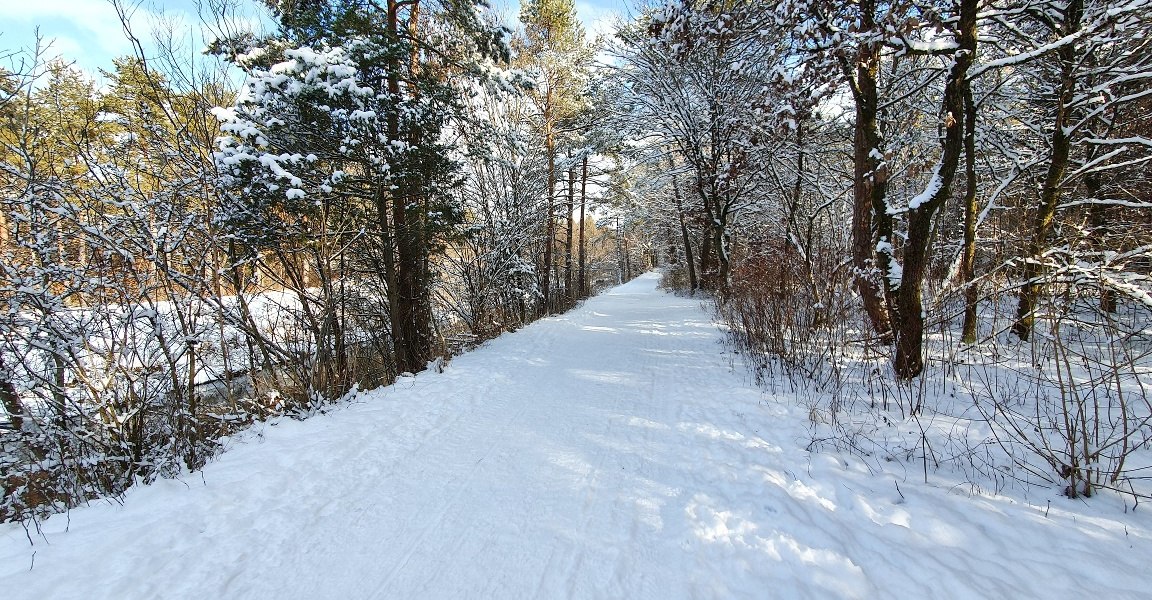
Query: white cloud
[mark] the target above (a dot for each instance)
(93, 25)
(62, 46)
(600, 18)
(89, 33)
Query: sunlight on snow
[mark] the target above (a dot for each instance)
(721, 526)
(570, 461)
(711, 431)
(602, 376)
(894, 516)
(646, 423)
(825, 567)
(649, 513)
(797, 489)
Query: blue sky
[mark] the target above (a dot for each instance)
(89, 32)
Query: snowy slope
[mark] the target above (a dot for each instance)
(613, 452)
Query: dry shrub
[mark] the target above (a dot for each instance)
(787, 321)
(675, 279)
(1071, 406)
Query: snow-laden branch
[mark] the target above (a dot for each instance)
(1023, 57)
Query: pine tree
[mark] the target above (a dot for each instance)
(554, 48)
(345, 110)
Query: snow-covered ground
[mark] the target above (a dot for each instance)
(617, 451)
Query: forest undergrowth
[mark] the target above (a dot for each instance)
(317, 203)
(137, 427)
(1068, 410)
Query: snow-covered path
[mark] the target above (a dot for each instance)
(612, 452)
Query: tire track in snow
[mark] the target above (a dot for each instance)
(473, 428)
(438, 516)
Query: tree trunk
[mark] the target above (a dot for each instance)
(1050, 191)
(712, 259)
(11, 400)
(968, 252)
(870, 182)
(550, 214)
(689, 253)
(707, 270)
(909, 323)
(191, 420)
(1098, 218)
(793, 241)
(391, 284)
(724, 263)
(626, 256)
(418, 220)
(569, 230)
(391, 242)
(411, 319)
(583, 291)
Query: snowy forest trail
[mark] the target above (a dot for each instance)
(611, 452)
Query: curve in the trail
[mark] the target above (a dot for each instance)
(611, 452)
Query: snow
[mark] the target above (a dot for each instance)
(1023, 57)
(617, 451)
(935, 46)
(930, 190)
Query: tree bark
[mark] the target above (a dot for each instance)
(569, 295)
(550, 216)
(583, 290)
(1098, 218)
(870, 183)
(411, 321)
(713, 262)
(10, 399)
(968, 252)
(689, 258)
(909, 324)
(388, 260)
(707, 270)
(1053, 179)
(420, 232)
